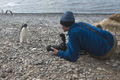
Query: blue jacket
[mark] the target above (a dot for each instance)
(83, 39)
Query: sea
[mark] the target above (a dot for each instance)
(61, 6)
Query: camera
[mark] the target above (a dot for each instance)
(62, 46)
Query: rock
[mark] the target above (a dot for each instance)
(75, 75)
(9, 70)
(90, 76)
(82, 75)
(118, 42)
(115, 64)
(40, 62)
(81, 79)
(3, 75)
(100, 69)
(33, 49)
(1, 51)
(107, 62)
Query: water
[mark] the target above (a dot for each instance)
(60, 6)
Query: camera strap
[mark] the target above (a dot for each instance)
(95, 32)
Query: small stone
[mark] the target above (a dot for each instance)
(82, 75)
(6, 42)
(90, 70)
(36, 79)
(3, 75)
(115, 64)
(99, 77)
(75, 76)
(90, 76)
(118, 42)
(99, 68)
(33, 49)
(38, 63)
(107, 62)
(40, 27)
(112, 60)
(81, 79)
(1, 52)
(9, 70)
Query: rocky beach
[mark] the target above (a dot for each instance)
(31, 61)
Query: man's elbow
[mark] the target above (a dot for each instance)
(73, 59)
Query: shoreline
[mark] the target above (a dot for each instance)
(57, 14)
(50, 19)
(83, 13)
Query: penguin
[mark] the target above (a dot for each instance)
(2, 11)
(23, 33)
(9, 12)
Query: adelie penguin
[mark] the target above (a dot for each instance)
(23, 33)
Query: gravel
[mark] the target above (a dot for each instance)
(31, 61)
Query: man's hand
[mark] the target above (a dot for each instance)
(55, 51)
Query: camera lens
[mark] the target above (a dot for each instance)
(49, 48)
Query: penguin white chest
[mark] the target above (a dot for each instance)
(23, 34)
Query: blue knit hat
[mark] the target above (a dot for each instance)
(67, 19)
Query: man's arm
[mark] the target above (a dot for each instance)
(73, 49)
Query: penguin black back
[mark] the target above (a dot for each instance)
(24, 25)
(23, 33)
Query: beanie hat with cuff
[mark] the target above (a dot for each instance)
(67, 19)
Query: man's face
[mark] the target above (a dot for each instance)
(65, 28)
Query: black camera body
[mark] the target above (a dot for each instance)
(62, 45)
